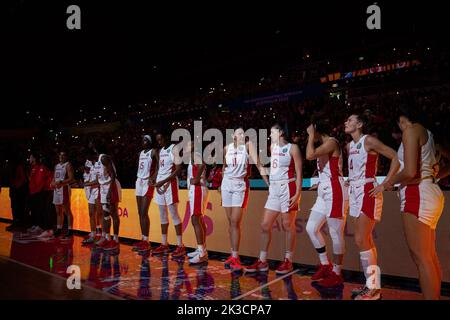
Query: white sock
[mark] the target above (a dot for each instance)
(144, 238)
(201, 249)
(164, 240)
(180, 240)
(368, 258)
(59, 227)
(108, 237)
(91, 235)
(116, 237)
(337, 268)
(234, 254)
(263, 256)
(103, 234)
(324, 258)
(288, 255)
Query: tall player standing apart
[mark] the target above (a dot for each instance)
(421, 199)
(285, 183)
(167, 194)
(331, 203)
(91, 188)
(365, 197)
(110, 196)
(146, 176)
(235, 189)
(198, 198)
(61, 195)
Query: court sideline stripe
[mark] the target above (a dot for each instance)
(265, 285)
(62, 278)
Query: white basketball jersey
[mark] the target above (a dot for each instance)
(428, 165)
(103, 175)
(61, 171)
(166, 163)
(282, 166)
(145, 164)
(236, 160)
(361, 164)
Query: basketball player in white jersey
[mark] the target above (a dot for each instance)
(235, 189)
(61, 195)
(167, 194)
(110, 196)
(421, 199)
(365, 197)
(91, 188)
(198, 199)
(285, 183)
(331, 204)
(146, 176)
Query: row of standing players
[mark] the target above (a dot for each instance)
(413, 168)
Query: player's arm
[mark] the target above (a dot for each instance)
(373, 144)
(224, 160)
(298, 163)
(326, 148)
(197, 179)
(445, 170)
(155, 159)
(410, 140)
(254, 157)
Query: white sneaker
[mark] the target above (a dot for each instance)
(199, 258)
(38, 230)
(46, 234)
(29, 230)
(193, 253)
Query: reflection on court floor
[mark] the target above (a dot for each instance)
(131, 275)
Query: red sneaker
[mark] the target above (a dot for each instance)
(257, 267)
(144, 247)
(235, 265)
(139, 244)
(162, 249)
(322, 272)
(285, 267)
(180, 251)
(112, 245)
(332, 280)
(228, 262)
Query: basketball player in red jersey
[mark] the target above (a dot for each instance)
(235, 189)
(61, 195)
(331, 203)
(365, 197)
(167, 194)
(198, 198)
(285, 185)
(421, 199)
(146, 176)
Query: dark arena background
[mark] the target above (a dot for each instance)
(85, 78)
